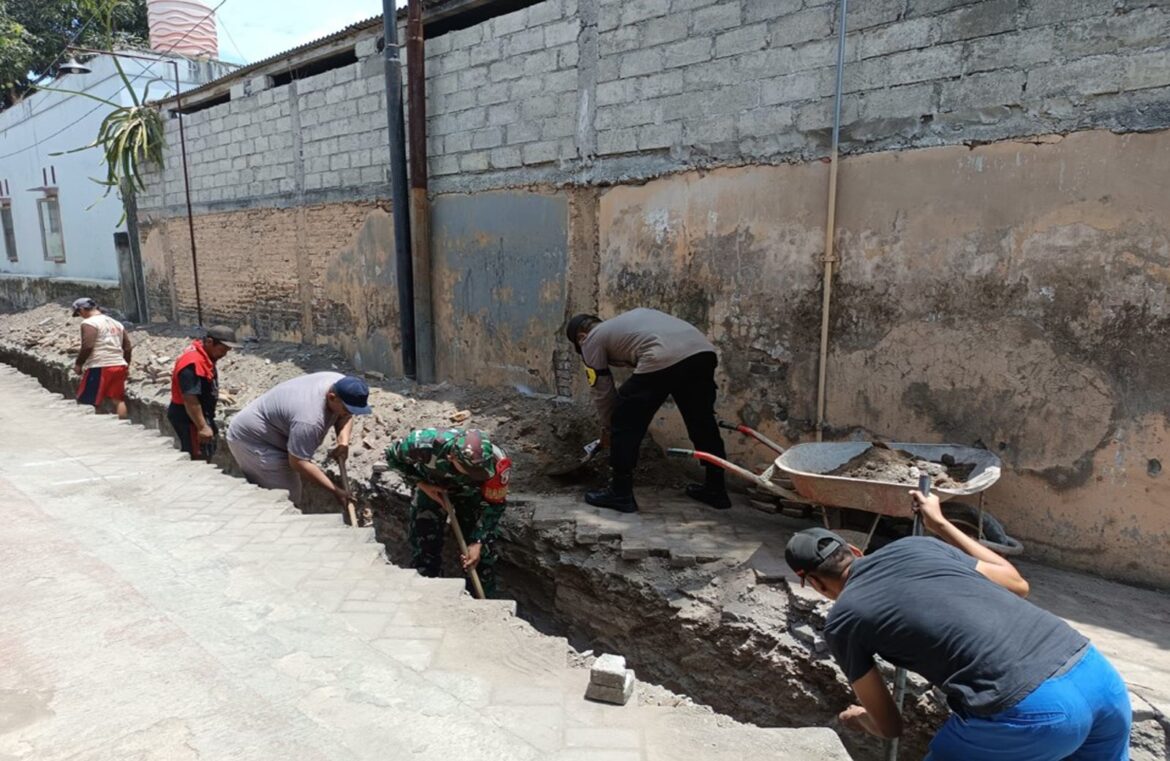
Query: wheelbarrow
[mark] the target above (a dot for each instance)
(800, 474)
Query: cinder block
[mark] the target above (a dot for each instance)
(609, 670)
(803, 26)
(742, 40)
(984, 19)
(540, 152)
(501, 71)
(874, 12)
(997, 88)
(1022, 49)
(761, 122)
(762, 10)
(909, 34)
(507, 24)
(640, 62)
(473, 162)
(634, 11)
(672, 28)
(616, 695)
(1147, 70)
(505, 158)
(523, 42)
(716, 18)
(619, 40)
(489, 137)
(685, 53)
(543, 13)
(615, 141)
(562, 32)
(485, 52)
(1087, 76)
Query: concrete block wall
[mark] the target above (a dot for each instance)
(599, 91)
(503, 94)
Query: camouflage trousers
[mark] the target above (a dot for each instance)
(428, 529)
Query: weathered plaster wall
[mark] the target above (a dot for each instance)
(319, 274)
(18, 292)
(499, 293)
(1013, 295)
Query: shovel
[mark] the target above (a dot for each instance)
(349, 507)
(900, 673)
(462, 545)
(573, 469)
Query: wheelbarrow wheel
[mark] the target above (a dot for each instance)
(994, 538)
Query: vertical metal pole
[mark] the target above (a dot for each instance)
(831, 224)
(420, 212)
(187, 190)
(398, 190)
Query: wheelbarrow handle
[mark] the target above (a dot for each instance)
(752, 432)
(731, 467)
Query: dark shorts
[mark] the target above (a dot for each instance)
(101, 383)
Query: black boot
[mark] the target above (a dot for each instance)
(619, 495)
(713, 492)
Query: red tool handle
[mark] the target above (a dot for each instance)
(746, 431)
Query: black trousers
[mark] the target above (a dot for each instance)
(189, 435)
(691, 383)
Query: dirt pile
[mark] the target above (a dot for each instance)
(541, 433)
(880, 463)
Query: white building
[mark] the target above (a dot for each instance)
(55, 224)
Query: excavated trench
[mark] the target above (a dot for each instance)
(737, 636)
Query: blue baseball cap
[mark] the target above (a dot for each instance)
(354, 394)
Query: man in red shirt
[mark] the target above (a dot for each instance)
(195, 392)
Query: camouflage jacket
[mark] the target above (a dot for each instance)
(423, 457)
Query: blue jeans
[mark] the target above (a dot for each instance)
(1083, 715)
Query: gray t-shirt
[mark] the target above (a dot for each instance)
(644, 339)
(920, 604)
(290, 417)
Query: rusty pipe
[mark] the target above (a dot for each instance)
(831, 225)
(420, 211)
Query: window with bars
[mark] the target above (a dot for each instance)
(52, 238)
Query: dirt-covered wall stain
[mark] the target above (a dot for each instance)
(1013, 296)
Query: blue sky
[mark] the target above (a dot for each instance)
(250, 30)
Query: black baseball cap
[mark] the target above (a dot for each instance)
(574, 327)
(224, 335)
(809, 549)
(354, 394)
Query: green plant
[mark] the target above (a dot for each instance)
(129, 135)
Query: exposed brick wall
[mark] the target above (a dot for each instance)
(321, 273)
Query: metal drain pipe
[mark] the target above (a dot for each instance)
(831, 224)
(399, 200)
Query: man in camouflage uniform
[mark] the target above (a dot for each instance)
(473, 474)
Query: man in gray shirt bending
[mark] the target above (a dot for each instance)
(671, 358)
(273, 439)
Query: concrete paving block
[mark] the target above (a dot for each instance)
(616, 695)
(609, 671)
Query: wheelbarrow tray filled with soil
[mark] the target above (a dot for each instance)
(858, 475)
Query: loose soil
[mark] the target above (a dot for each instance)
(880, 463)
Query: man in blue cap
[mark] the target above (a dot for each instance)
(273, 439)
